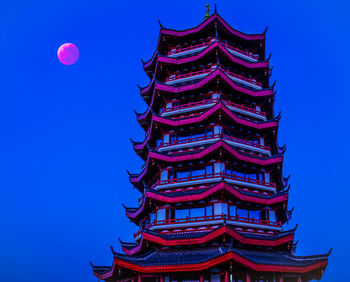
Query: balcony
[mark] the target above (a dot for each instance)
(241, 53)
(179, 78)
(215, 177)
(207, 103)
(195, 48)
(212, 138)
(177, 52)
(251, 82)
(212, 220)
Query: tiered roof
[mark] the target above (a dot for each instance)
(216, 240)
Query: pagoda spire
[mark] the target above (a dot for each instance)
(207, 16)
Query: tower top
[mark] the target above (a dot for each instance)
(207, 16)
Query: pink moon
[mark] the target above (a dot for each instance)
(68, 53)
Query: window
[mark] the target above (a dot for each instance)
(272, 215)
(198, 171)
(243, 175)
(152, 217)
(197, 212)
(232, 210)
(251, 175)
(209, 169)
(185, 173)
(182, 173)
(255, 214)
(209, 210)
(242, 213)
(238, 173)
(182, 213)
(197, 134)
(183, 136)
(191, 135)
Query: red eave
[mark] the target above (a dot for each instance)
(219, 106)
(222, 186)
(210, 149)
(219, 144)
(206, 238)
(204, 81)
(197, 197)
(204, 52)
(215, 16)
(210, 263)
(249, 37)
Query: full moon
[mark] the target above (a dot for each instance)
(68, 53)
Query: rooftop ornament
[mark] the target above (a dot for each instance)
(207, 16)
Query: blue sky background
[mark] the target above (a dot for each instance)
(65, 148)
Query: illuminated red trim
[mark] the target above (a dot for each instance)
(248, 37)
(221, 106)
(210, 263)
(218, 145)
(206, 238)
(218, 187)
(204, 81)
(180, 33)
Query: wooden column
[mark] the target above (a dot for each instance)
(201, 278)
(299, 278)
(226, 277)
(161, 278)
(281, 278)
(248, 277)
(139, 278)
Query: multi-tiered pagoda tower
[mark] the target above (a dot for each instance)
(214, 198)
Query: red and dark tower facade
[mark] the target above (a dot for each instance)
(214, 199)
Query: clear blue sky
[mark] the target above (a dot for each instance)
(65, 129)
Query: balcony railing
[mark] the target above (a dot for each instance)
(197, 47)
(211, 218)
(203, 71)
(214, 136)
(205, 219)
(174, 51)
(245, 53)
(241, 77)
(205, 102)
(206, 71)
(211, 176)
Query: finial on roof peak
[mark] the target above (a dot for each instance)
(207, 16)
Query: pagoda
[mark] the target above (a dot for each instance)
(214, 199)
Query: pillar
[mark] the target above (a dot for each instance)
(201, 278)
(299, 278)
(248, 277)
(139, 278)
(226, 276)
